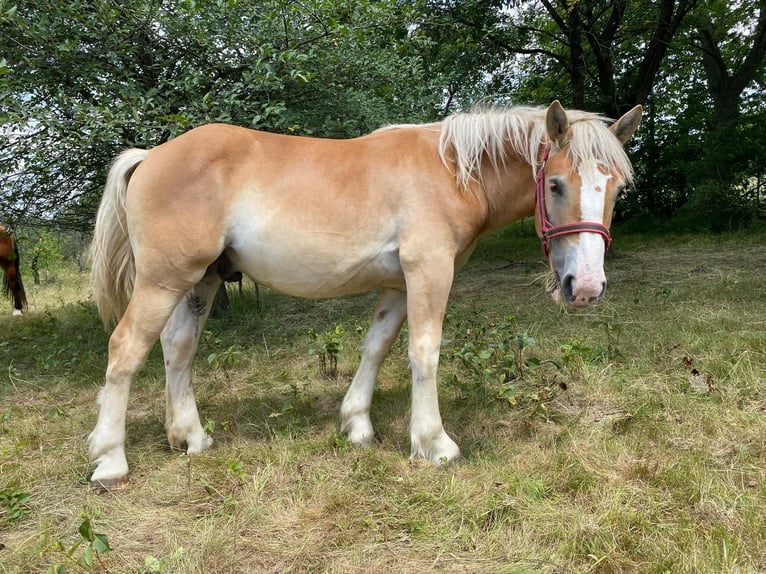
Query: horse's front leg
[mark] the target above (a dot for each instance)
(180, 339)
(428, 287)
(390, 312)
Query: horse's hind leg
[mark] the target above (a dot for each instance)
(129, 345)
(390, 312)
(19, 297)
(12, 286)
(180, 338)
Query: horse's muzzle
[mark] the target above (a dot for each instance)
(581, 291)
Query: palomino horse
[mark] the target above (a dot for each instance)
(397, 210)
(9, 261)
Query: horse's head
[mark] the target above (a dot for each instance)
(583, 171)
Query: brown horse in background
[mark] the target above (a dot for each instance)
(9, 261)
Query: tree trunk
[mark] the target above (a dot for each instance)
(725, 88)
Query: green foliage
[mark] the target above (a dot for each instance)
(327, 347)
(578, 350)
(96, 545)
(494, 362)
(156, 565)
(46, 251)
(716, 208)
(15, 502)
(82, 80)
(237, 469)
(232, 356)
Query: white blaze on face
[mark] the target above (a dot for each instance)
(593, 193)
(590, 257)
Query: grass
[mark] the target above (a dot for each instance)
(632, 439)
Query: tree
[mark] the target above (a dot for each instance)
(610, 50)
(732, 43)
(731, 40)
(82, 79)
(681, 59)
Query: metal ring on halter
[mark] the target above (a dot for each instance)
(550, 231)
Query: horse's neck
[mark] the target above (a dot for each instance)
(509, 190)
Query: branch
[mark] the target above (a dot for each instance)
(553, 13)
(755, 56)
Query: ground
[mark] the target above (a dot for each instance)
(628, 438)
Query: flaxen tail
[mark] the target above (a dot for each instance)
(113, 269)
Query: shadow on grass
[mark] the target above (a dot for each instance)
(67, 345)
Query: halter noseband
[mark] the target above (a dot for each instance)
(547, 229)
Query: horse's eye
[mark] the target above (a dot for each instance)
(555, 187)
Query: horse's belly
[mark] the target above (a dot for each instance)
(303, 270)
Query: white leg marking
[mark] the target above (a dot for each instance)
(429, 439)
(129, 345)
(107, 441)
(390, 312)
(180, 338)
(428, 287)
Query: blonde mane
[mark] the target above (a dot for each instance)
(495, 132)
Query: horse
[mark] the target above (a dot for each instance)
(9, 262)
(398, 210)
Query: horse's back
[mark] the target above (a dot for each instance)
(219, 162)
(308, 216)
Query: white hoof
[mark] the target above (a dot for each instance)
(359, 430)
(440, 449)
(189, 441)
(199, 444)
(111, 469)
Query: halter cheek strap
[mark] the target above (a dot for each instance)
(547, 229)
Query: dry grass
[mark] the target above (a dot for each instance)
(652, 460)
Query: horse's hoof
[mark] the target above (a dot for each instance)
(109, 484)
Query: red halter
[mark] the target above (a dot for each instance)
(547, 229)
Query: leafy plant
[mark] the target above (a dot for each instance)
(577, 349)
(230, 357)
(96, 546)
(493, 360)
(156, 565)
(45, 254)
(237, 468)
(327, 347)
(15, 502)
(612, 334)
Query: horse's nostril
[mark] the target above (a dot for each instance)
(581, 292)
(567, 288)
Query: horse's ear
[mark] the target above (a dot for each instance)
(557, 124)
(626, 126)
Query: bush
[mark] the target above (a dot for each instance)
(716, 209)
